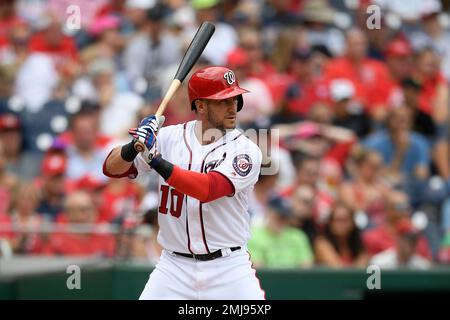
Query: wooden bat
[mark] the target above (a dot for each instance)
(195, 49)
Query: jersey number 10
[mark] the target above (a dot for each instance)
(176, 201)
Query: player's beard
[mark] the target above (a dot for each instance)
(218, 124)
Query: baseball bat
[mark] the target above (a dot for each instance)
(193, 52)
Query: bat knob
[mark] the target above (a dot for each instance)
(138, 146)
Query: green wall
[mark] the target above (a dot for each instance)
(126, 281)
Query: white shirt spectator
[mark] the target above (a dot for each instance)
(120, 114)
(388, 260)
(36, 80)
(142, 58)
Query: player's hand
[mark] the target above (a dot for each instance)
(148, 155)
(147, 130)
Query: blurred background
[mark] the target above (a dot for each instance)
(357, 90)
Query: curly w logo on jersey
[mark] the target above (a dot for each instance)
(242, 164)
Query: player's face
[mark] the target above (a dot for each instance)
(221, 114)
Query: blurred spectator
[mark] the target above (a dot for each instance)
(303, 207)
(18, 161)
(258, 102)
(93, 186)
(347, 112)
(307, 88)
(366, 191)
(114, 7)
(444, 252)
(52, 184)
(403, 255)
(259, 197)
(422, 122)
(434, 100)
(140, 241)
(341, 245)
(119, 198)
(36, 80)
(108, 41)
(80, 236)
(385, 236)
(14, 47)
(149, 52)
(408, 11)
(224, 39)
(367, 75)
(117, 104)
(26, 221)
(277, 13)
(84, 154)
(433, 34)
(319, 17)
(52, 41)
(259, 65)
(276, 244)
(8, 182)
(136, 12)
(406, 153)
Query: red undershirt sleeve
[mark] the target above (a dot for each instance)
(205, 187)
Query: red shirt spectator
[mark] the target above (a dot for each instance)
(69, 244)
(370, 79)
(397, 216)
(89, 239)
(429, 91)
(62, 48)
(382, 238)
(119, 197)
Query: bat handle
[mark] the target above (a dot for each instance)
(138, 146)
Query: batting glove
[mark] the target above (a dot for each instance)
(147, 131)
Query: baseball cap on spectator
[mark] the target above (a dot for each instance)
(54, 164)
(204, 4)
(281, 206)
(89, 183)
(9, 121)
(398, 48)
(140, 4)
(237, 58)
(341, 89)
(318, 11)
(104, 23)
(406, 229)
(430, 9)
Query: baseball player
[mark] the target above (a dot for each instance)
(207, 168)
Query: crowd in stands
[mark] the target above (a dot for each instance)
(359, 103)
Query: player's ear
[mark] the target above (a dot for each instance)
(200, 105)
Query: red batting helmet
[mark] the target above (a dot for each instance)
(214, 83)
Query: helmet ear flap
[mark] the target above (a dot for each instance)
(240, 102)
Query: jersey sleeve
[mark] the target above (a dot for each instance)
(242, 167)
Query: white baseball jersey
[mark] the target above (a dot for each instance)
(188, 225)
